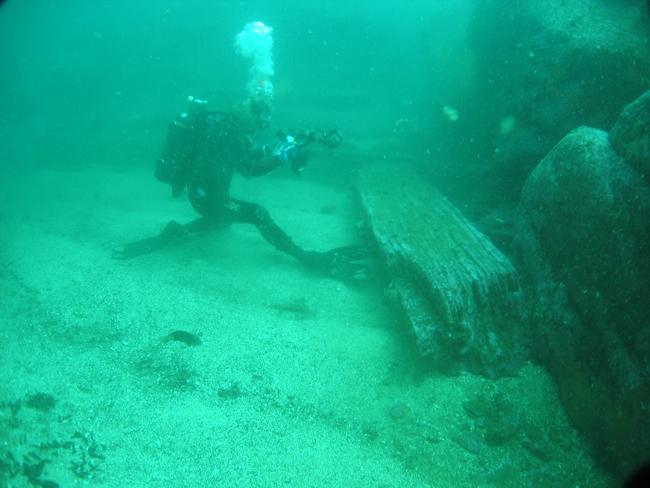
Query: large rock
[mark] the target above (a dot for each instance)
(584, 239)
(630, 135)
(546, 67)
(459, 294)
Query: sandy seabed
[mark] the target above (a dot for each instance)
(299, 380)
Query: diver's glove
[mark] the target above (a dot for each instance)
(291, 154)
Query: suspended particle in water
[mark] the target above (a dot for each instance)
(507, 125)
(451, 113)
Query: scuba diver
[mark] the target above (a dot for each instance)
(202, 151)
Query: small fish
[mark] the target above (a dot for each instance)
(183, 336)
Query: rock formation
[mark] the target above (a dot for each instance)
(583, 237)
(548, 67)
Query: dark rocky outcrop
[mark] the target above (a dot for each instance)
(583, 235)
(630, 135)
(461, 297)
(546, 68)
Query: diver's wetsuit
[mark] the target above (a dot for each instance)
(203, 150)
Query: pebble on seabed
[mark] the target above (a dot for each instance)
(398, 410)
